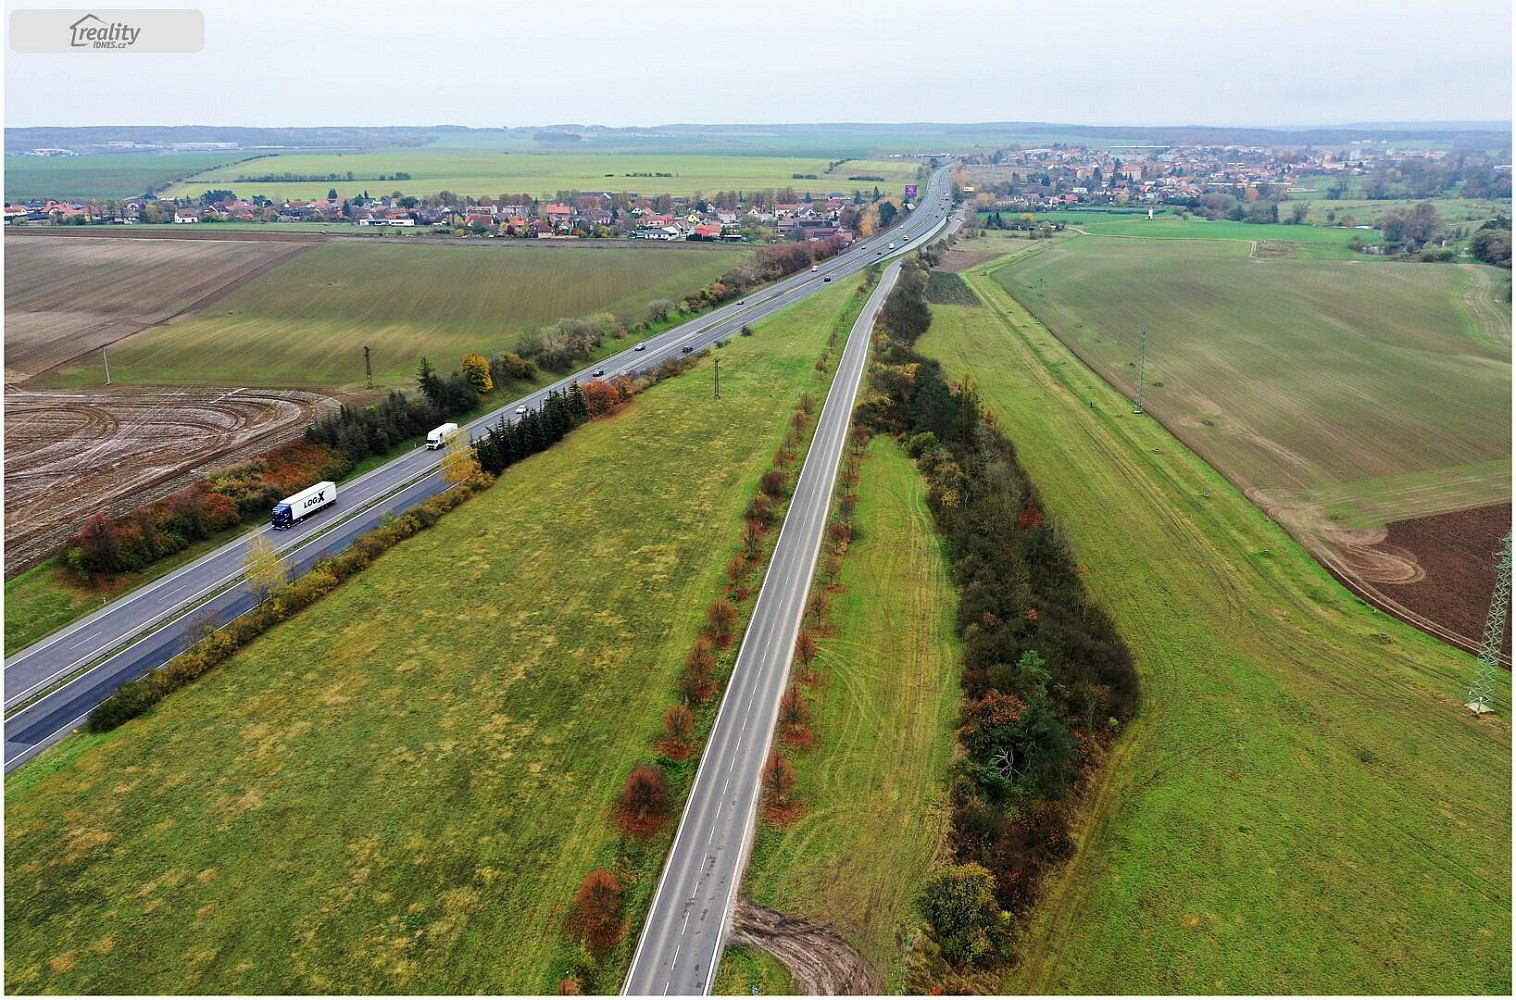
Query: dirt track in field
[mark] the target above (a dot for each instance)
(72, 453)
(822, 963)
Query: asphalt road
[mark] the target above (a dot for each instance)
(139, 631)
(681, 943)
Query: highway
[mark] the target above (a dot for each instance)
(681, 942)
(60, 678)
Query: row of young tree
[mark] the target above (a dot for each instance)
(1047, 682)
(648, 797)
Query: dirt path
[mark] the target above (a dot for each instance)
(822, 963)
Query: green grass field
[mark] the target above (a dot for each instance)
(41, 601)
(492, 173)
(115, 175)
(1300, 377)
(401, 789)
(1300, 806)
(875, 784)
(305, 323)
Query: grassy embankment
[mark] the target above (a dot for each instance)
(874, 784)
(490, 172)
(401, 789)
(304, 324)
(1302, 804)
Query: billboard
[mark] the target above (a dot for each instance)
(910, 190)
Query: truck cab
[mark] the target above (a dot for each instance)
(437, 437)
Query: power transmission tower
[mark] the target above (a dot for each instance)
(107, 359)
(1481, 692)
(368, 369)
(718, 378)
(1142, 371)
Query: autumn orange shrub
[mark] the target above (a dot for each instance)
(645, 801)
(597, 912)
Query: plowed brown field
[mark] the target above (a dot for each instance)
(71, 453)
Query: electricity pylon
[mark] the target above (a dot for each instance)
(1142, 371)
(1481, 691)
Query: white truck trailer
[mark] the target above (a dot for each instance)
(437, 436)
(296, 508)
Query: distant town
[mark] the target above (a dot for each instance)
(1247, 183)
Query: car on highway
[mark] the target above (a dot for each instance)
(827, 278)
(640, 347)
(521, 411)
(686, 349)
(597, 373)
(814, 269)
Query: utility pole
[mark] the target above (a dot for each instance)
(368, 369)
(1481, 692)
(718, 378)
(1142, 366)
(106, 358)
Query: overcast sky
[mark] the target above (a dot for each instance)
(649, 62)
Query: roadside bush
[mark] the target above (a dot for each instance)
(678, 726)
(721, 621)
(697, 684)
(959, 902)
(597, 911)
(645, 801)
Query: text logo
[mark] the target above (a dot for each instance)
(91, 31)
(107, 31)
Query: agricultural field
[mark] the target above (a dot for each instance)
(875, 783)
(493, 173)
(68, 297)
(1303, 241)
(305, 325)
(75, 452)
(451, 765)
(1339, 395)
(1301, 805)
(114, 175)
